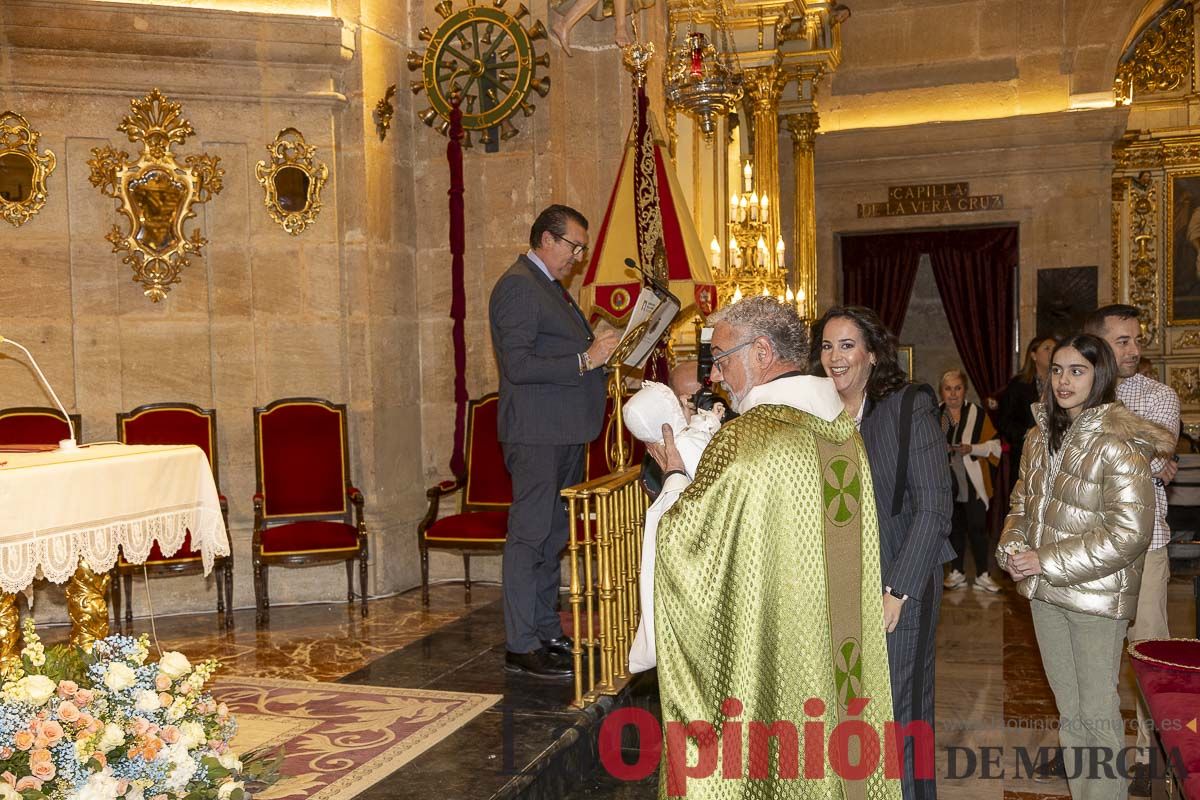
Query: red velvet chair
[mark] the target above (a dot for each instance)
(174, 423)
(306, 510)
(482, 521)
(36, 425)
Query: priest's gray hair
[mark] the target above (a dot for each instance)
(778, 322)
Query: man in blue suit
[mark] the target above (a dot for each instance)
(552, 390)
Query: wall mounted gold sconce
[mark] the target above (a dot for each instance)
(384, 111)
(155, 194)
(23, 171)
(292, 181)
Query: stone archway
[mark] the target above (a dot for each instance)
(1097, 34)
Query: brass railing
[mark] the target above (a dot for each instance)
(605, 554)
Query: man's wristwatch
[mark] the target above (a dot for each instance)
(585, 362)
(895, 594)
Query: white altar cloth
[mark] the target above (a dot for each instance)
(59, 506)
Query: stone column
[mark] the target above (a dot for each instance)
(763, 87)
(803, 128)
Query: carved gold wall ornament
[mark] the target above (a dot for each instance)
(155, 193)
(1118, 204)
(1161, 60)
(292, 181)
(1188, 339)
(23, 171)
(1186, 383)
(486, 55)
(384, 111)
(1143, 256)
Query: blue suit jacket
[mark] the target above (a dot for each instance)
(538, 334)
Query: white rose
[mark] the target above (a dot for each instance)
(119, 676)
(191, 734)
(174, 665)
(112, 736)
(229, 761)
(37, 689)
(147, 701)
(134, 793)
(99, 786)
(184, 767)
(7, 792)
(228, 788)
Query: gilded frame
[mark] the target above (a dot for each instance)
(1183, 213)
(290, 151)
(904, 357)
(18, 138)
(155, 193)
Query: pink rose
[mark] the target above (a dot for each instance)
(222, 711)
(170, 734)
(100, 758)
(43, 770)
(41, 741)
(140, 726)
(122, 786)
(165, 700)
(67, 688)
(52, 731)
(23, 740)
(84, 696)
(29, 782)
(39, 756)
(5, 753)
(162, 683)
(68, 711)
(9, 778)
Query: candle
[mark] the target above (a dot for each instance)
(715, 248)
(733, 207)
(747, 177)
(737, 294)
(779, 250)
(790, 296)
(753, 207)
(763, 212)
(742, 209)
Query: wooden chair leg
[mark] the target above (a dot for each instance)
(115, 584)
(362, 581)
(349, 580)
(128, 579)
(260, 592)
(228, 571)
(425, 574)
(220, 594)
(467, 575)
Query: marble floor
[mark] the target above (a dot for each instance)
(990, 688)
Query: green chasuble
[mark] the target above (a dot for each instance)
(768, 591)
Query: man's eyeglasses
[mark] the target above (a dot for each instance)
(717, 359)
(577, 249)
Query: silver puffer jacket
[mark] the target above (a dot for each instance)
(1091, 524)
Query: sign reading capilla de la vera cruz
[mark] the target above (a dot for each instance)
(931, 198)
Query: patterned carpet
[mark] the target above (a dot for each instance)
(339, 739)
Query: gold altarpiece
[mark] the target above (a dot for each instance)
(783, 50)
(1156, 201)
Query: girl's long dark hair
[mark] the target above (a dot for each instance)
(1104, 382)
(886, 377)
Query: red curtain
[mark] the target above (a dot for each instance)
(974, 271)
(878, 271)
(458, 292)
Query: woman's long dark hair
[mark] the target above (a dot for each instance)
(886, 377)
(1104, 382)
(1028, 371)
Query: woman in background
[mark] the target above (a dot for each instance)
(1075, 539)
(974, 451)
(1014, 417)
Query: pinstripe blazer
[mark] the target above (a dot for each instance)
(537, 335)
(915, 542)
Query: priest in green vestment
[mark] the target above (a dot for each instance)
(772, 663)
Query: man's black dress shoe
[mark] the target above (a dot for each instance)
(537, 664)
(1052, 769)
(1140, 785)
(561, 646)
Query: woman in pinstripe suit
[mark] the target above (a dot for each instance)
(907, 453)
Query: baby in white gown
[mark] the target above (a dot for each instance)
(645, 413)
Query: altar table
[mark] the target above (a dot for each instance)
(65, 513)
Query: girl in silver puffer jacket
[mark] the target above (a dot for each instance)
(1081, 518)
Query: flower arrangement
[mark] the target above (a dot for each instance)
(107, 723)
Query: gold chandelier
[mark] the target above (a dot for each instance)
(702, 80)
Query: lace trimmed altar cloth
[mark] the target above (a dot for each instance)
(59, 506)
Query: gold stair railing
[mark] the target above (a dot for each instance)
(605, 554)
